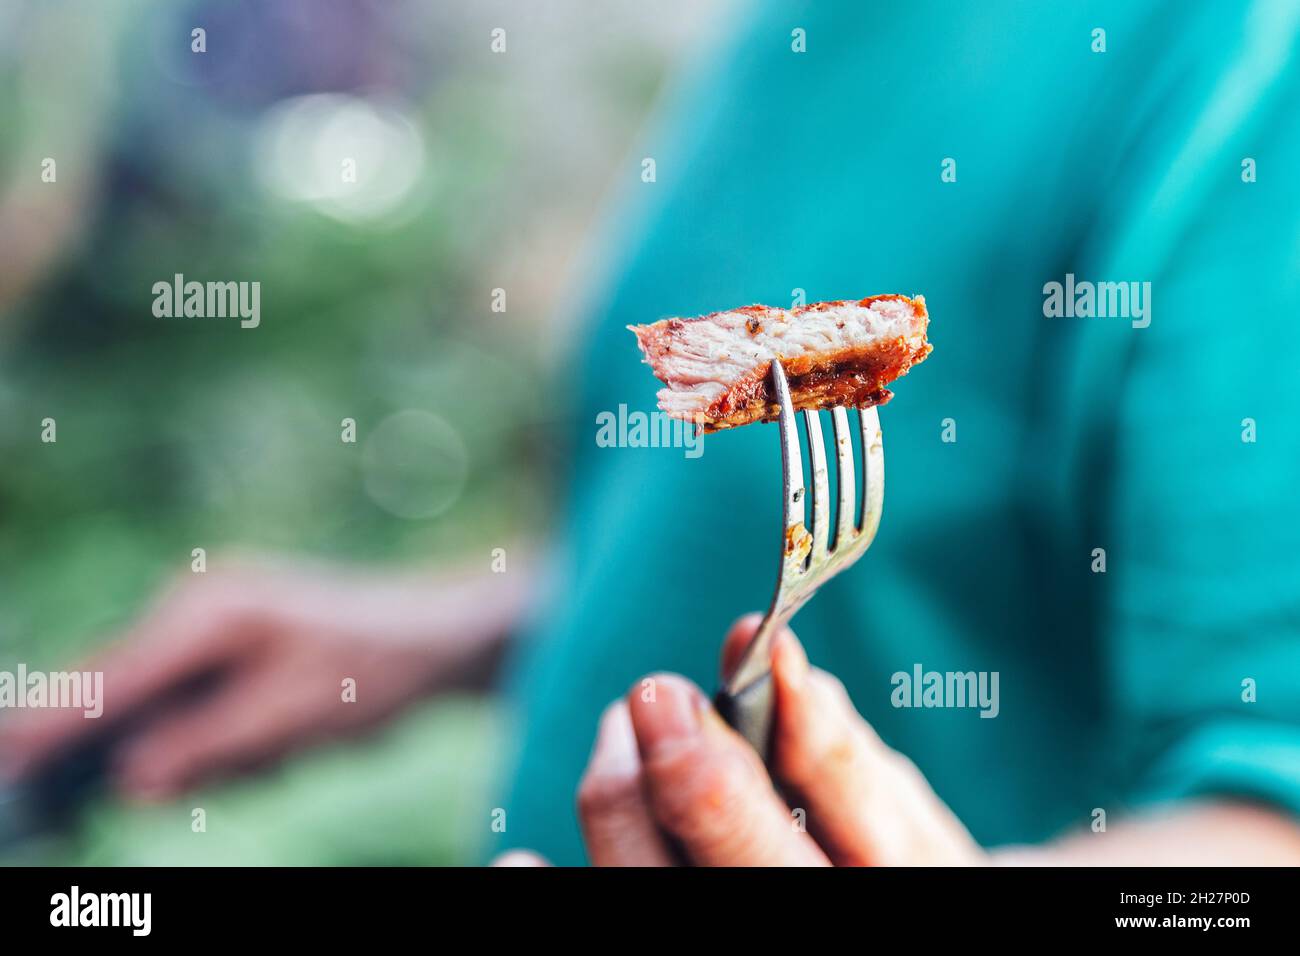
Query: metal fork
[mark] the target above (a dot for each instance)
(808, 560)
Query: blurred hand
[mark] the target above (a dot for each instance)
(670, 783)
(278, 644)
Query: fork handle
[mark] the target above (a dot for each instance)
(749, 712)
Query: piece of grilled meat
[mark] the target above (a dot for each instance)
(716, 366)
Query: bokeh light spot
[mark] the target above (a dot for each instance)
(414, 464)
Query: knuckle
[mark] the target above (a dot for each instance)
(605, 794)
(904, 769)
(699, 796)
(827, 742)
(832, 687)
(827, 747)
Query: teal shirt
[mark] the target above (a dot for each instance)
(823, 171)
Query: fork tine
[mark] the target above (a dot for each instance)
(873, 473)
(756, 661)
(821, 499)
(844, 477)
(791, 457)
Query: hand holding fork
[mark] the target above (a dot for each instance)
(808, 559)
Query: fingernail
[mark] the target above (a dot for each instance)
(791, 665)
(668, 717)
(615, 750)
(518, 858)
(737, 641)
(789, 660)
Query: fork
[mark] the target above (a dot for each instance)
(808, 560)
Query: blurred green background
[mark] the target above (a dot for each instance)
(476, 171)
